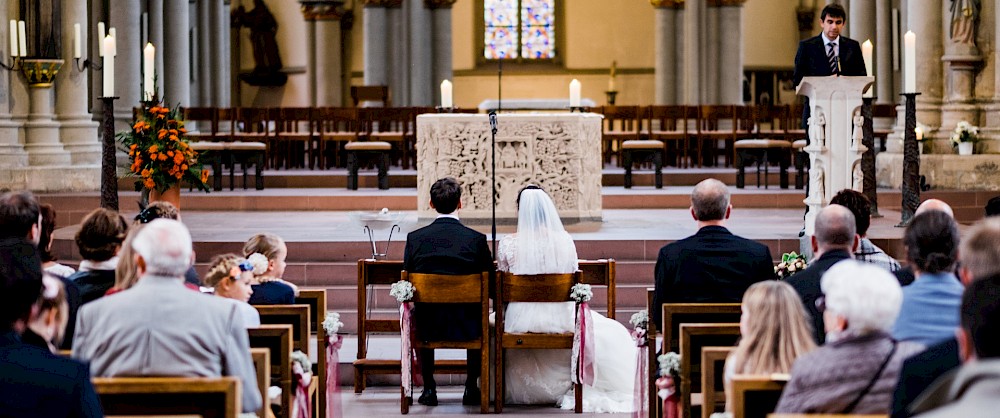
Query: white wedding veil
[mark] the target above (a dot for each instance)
(542, 245)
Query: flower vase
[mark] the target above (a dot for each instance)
(965, 148)
(172, 195)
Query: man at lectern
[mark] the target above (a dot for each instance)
(828, 53)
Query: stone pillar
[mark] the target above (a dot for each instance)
(327, 51)
(861, 20)
(711, 53)
(421, 55)
(220, 56)
(441, 39)
(128, 62)
(991, 112)
(924, 19)
(155, 37)
(11, 152)
(41, 133)
(665, 73)
(731, 52)
(376, 45)
(680, 61)
(693, 88)
(884, 81)
(77, 130)
(176, 53)
(204, 37)
(963, 62)
(398, 53)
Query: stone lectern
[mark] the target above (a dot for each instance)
(835, 131)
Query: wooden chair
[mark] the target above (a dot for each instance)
(674, 314)
(361, 94)
(771, 121)
(712, 376)
(639, 150)
(669, 124)
(715, 123)
(202, 123)
(210, 397)
(395, 125)
(382, 273)
(337, 126)
(278, 340)
(887, 111)
(757, 396)
(253, 124)
(445, 288)
(295, 315)
(247, 154)
(621, 123)
(600, 273)
(316, 299)
(693, 338)
(294, 136)
(530, 288)
(262, 365)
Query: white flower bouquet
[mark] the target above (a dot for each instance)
(259, 262)
(964, 132)
(790, 264)
(302, 360)
(581, 292)
(332, 323)
(670, 364)
(639, 320)
(402, 291)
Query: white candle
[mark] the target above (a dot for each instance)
(22, 38)
(920, 133)
(909, 62)
(100, 39)
(76, 41)
(611, 84)
(574, 93)
(111, 31)
(866, 54)
(13, 38)
(148, 60)
(109, 66)
(446, 94)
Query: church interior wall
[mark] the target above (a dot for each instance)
(292, 41)
(770, 33)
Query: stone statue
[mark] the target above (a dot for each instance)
(858, 177)
(859, 133)
(965, 21)
(263, 29)
(44, 31)
(817, 187)
(817, 129)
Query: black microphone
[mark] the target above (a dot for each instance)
(493, 121)
(837, 60)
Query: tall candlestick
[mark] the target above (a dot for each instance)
(446, 94)
(866, 54)
(148, 60)
(109, 66)
(909, 62)
(111, 31)
(22, 39)
(13, 38)
(76, 41)
(100, 39)
(574, 93)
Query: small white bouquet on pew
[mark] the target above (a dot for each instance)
(334, 341)
(302, 373)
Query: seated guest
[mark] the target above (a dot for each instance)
(905, 274)
(266, 253)
(993, 207)
(972, 391)
(160, 328)
(774, 331)
(834, 240)
(47, 328)
(856, 370)
(45, 244)
(930, 305)
(166, 210)
(712, 265)
(230, 276)
(33, 381)
(99, 240)
(861, 208)
(127, 272)
(978, 253)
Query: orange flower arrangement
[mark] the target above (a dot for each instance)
(158, 149)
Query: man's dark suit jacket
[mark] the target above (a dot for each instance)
(920, 371)
(811, 61)
(36, 383)
(712, 265)
(447, 247)
(806, 283)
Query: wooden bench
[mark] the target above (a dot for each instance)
(643, 149)
(674, 314)
(357, 150)
(601, 273)
(262, 365)
(693, 338)
(316, 299)
(756, 396)
(295, 315)
(712, 377)
(278, 340)
(209, 397)
(762, 152)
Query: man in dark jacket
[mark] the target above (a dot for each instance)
(447, 247)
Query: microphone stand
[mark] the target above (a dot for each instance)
(493, 154)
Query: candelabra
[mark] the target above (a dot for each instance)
(109, 168)
(911, 162)
(869, 185)
(15, 64)
(82, 64)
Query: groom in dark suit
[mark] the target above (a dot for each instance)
(828, 53)
(447, 247)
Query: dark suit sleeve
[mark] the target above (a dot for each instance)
(766, 267)
(87, 403)
(663, 276)
(801, 64)
(857, 61)
(407, 254)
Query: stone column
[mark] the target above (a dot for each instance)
(884, 81)
(376, 42)
(991, 112)
(680, 61)
(41, 133)
(128, 62)
(176, 53)
(219, 58)
(964, 60)
(11, 152)
(398, 57)
(441, 68)
(204, 38)
(731, 52)
(712, 52)
(327, 50)
(155, 37)
(665, 73)
(924, 19)
(693, 88)
(77, 130)
(420, 54)
(862, 21)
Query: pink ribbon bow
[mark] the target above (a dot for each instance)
(671, 399)
(583, 346)
(333, 344)
(640, 397)
(408, 361)
(303, 406)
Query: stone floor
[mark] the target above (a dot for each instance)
(384, 402)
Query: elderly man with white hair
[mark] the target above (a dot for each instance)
(855, 372)
(159, 327)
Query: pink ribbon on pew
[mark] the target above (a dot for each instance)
(333, 344)
(667, 389)
(583, 346)
(303, 406)
(640, 397)
(409, 361)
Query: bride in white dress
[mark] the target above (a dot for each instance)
(542, 246)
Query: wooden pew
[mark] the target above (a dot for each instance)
(756, 396)
(262, 365)
(675, 314)
(693, 338)
(278, 340)
(601, 273)
(295, 315)
(316, 299)
(713, 360)
(215, 397)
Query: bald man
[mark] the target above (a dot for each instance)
(835, 239)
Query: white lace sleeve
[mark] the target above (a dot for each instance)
(505, 252)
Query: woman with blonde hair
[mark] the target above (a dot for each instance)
(230, 275)
(266, 253)
(774, 332)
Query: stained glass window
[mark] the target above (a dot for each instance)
(519, 29)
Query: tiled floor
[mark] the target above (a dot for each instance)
(384, 402)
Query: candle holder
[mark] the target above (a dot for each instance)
(869, 185)
(580, 109)
(612, 94)
(15, 64)
(911, 162)
(440, 109)
(109, 175)
(40, 72)
(81, 64)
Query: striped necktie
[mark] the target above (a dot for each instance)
(831, 56)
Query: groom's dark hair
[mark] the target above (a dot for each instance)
(446, 194)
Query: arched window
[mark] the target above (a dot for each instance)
(519, 29)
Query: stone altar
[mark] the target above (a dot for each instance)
(559, 152)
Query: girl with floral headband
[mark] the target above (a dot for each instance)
(266, 252)
(47, 327)
(231, 275)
